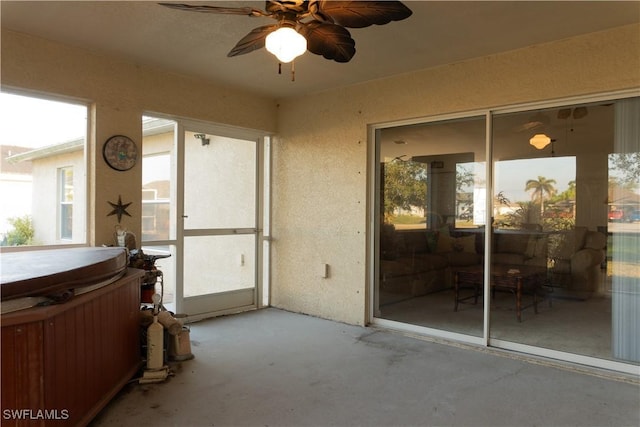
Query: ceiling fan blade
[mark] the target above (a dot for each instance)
(248, 11)
(253, 41)
(297, 6)
(329, 40)
(359, 14)
(564, 113)
(580, 112)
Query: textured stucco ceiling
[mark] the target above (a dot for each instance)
(192, 43)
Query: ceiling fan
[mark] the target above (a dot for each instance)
(576, 113)
(315, 25)
(540, 120)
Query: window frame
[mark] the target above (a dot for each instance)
(374, 196)
(85, 162)
(62, 203)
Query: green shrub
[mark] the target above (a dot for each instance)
(22, 232)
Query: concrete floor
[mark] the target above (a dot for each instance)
(275, 368)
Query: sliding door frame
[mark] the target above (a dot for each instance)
(374, 231)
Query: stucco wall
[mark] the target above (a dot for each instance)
(120, 92)
(320, 167)
(320, 212)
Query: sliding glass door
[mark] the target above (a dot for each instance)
(559, 272)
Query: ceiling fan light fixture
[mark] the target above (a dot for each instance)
(286, 44)
(540, 140)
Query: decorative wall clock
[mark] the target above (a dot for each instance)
(120, 152)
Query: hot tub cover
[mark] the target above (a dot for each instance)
(54, 271)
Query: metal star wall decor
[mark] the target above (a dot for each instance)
(119, 209)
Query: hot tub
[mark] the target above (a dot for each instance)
(67, 356)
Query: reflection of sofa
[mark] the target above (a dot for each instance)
(417, 262)
(577, 259)
(520, 247)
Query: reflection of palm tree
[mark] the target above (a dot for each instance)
(541, 188)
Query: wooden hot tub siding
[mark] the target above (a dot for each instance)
(74, 356)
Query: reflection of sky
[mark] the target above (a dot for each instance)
(34, 123)
(512, 175)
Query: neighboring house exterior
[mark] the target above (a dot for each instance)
(15, 186)
(58, 193)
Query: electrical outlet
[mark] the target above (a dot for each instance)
(324, 270)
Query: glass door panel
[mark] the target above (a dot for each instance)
(159, 195)
(432, 214)
(551, 282)
(623, 243)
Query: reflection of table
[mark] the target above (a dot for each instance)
(469, 277)
(518, 279)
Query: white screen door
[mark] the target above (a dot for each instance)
(221, 222)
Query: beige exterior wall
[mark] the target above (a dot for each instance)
(320, 167)
(46, 193)
(320, 198)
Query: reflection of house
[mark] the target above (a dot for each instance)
(561, 209)
(622, 199)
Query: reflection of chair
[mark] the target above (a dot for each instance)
(576, 265)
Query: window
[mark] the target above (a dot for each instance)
(65, 180)
(538, 191)
(43, 171)
(156, 173)
(470, 194)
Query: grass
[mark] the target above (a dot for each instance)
(408, 219)
(625, 247)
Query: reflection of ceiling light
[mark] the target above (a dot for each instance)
(286, 44)
(540, 140)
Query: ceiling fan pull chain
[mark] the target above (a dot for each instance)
(279, 67)
(293, 71)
